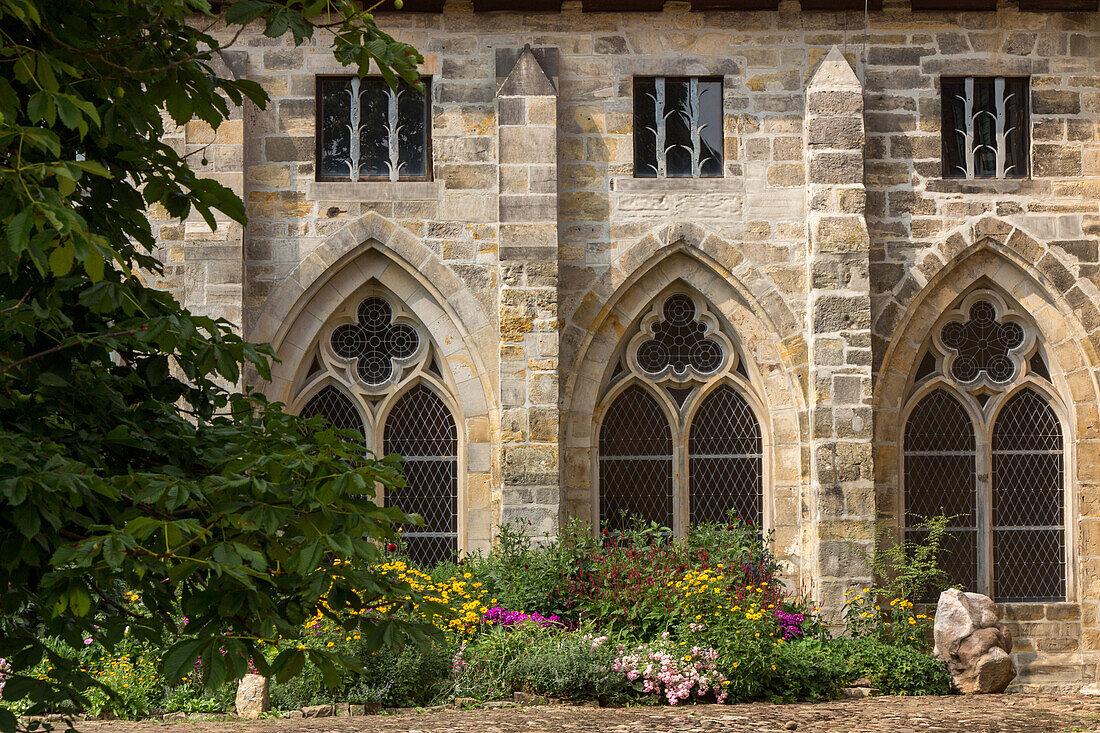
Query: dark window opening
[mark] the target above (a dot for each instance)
(367, 131)
(635, 462)
(421, 429)
(985, 129)
(677, 127)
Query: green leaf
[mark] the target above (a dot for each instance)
(61, 260)
(243, 13)
(93, 265)
(180, 659)
(19, 229)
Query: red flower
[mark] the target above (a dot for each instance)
(391, 547)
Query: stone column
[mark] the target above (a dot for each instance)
(528, 261)
(839, 311)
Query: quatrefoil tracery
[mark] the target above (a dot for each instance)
(376, 343)
(679, 341)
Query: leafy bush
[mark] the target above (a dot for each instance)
(542, 660)
(895, 670)
(646, 618)
(410, 675)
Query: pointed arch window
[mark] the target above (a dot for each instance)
(337, 408)
(940, 478)
(422, 429)
(725, 456)
(375, 370)
(635, 461)
(982, 443)
(1028, 476)
(680, 444)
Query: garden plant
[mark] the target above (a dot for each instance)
(703, 618)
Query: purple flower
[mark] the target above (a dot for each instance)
(498, 616)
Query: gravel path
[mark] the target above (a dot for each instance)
(1012, 713)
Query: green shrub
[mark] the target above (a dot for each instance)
(895, 670)
(404, 676)
(539, 660)
(805, 670)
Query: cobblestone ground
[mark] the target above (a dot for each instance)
(1013, 713)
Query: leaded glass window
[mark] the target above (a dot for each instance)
(680, 443)
(375, 342)
(635, 461)
(941, 478)
(366, 130)
(373, 368)
(338, 409)
(677, 127)
(985, 127)
(984, 446)
(421, 429)
(1029, 553)
(725, 460)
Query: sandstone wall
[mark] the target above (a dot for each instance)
(534, 247)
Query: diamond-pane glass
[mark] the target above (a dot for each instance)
(337, 408)
(982, 344)
(679, 341)
(941, 478)
(375, 341)
(422, 430)
(635, 461)
(725, 460)
(1028, 502)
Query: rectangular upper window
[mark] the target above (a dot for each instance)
(677, 127)
(367, 131)
(985, 126)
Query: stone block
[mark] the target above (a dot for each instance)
(1055, 102)
(834, 102)
(842, 132)
(1056, 160)
(253, 696)
(836, 168)
(835, 313)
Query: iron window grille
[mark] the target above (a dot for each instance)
(677, 127)
(997, 469)
(704, 463)
(985, 127)
(368, 131)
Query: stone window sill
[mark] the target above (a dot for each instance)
(677, 185)
(1012, 186)
(374, 191)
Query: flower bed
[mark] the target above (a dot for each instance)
(634, 618)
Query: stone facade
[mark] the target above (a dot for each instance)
(828, 249)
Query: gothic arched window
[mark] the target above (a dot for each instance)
(984, 446)
(725, 456)
(940, 478)
(380, 374)
(338, 409)
(421, 429)
(680, 444)
(635, 461)
(1028, 476)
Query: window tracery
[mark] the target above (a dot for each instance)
(680, 440)
(982, 444)
(375, 369)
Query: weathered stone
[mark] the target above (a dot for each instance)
(317, 711)
(973, 645)
(253, 696)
